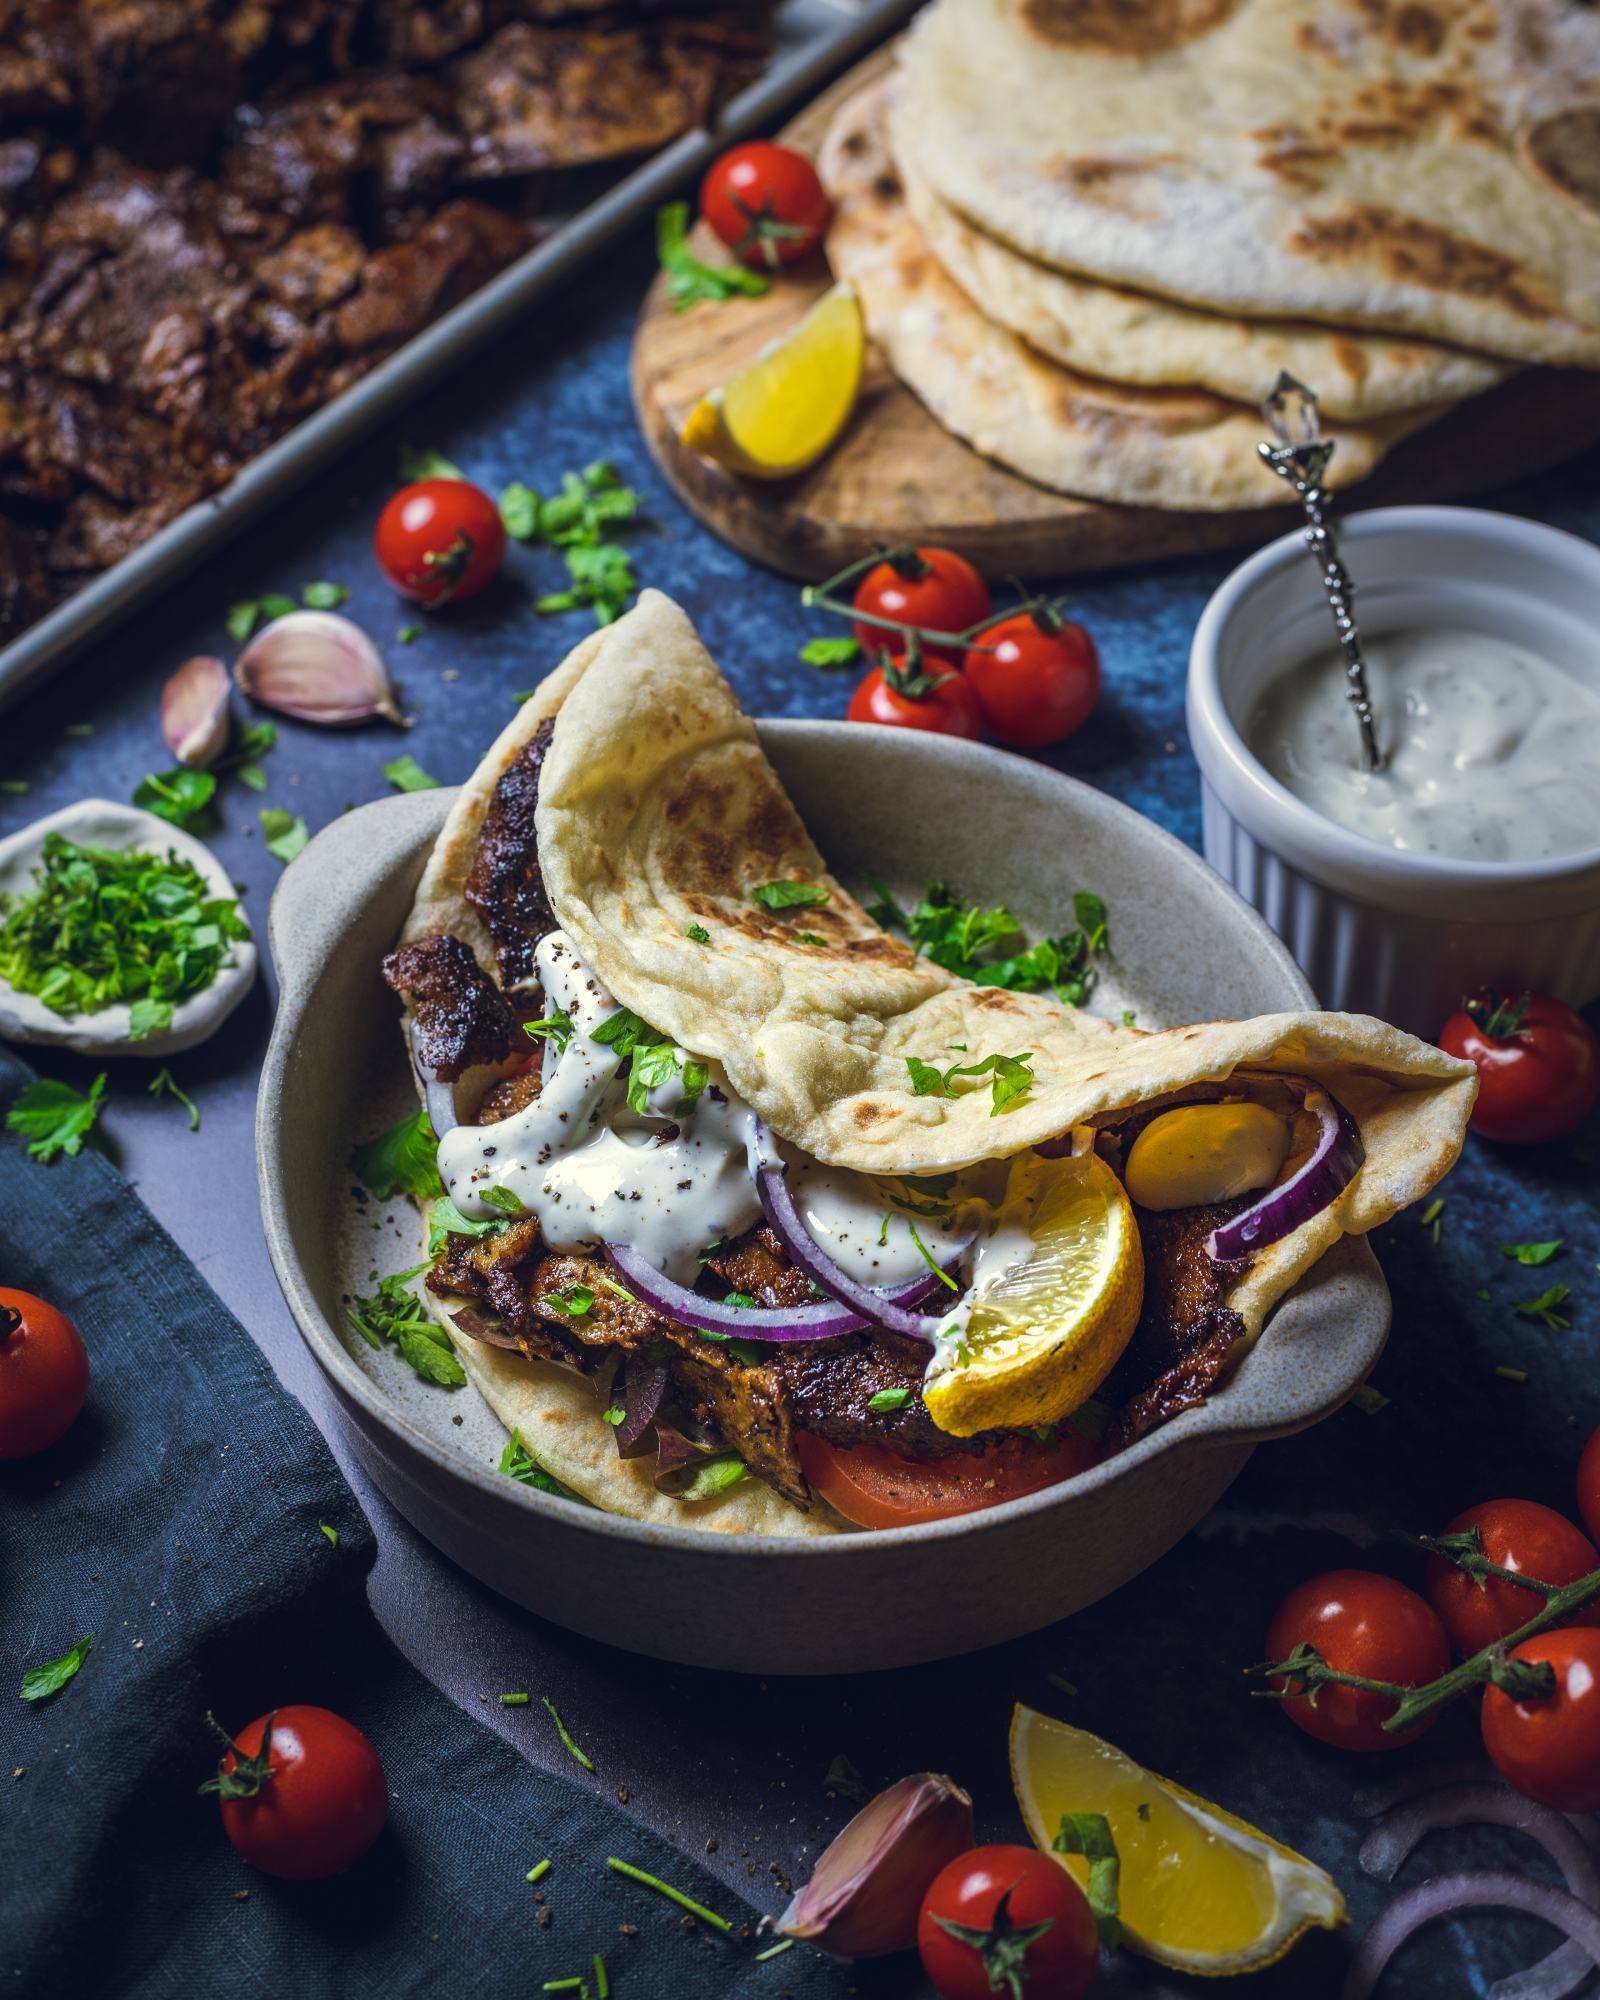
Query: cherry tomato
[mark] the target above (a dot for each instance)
(974, 1911)
(1360, 1624)
(932, 588)
(44, 1374)
(313, 1805)
(1040, 682)
(1548, 1746)
(1589, 1484)
(766, 203)
(440, 540)
(1521, 1535)
(907, 697)
(1538, 1065)
(877, 1488)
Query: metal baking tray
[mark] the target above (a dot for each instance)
(814, 39)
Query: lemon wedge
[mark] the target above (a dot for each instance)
(1042, 1337)
(1201, 1890)
(782, 412)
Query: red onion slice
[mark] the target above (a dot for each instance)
(1318, 1184)
(818, 1322)
(1384, 1794)
(1467, 1889)
(644, 1383)
(877, 1308)
(437, 1095)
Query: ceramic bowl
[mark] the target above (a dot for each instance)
(911, 809)
(1378, 931)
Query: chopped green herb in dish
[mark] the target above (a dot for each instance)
(689, 281)
(788, 895)
(393, 1313)
(403, 1160)
(1012, 1078)
(54, 1118)
(446, 1220)
(967, 939)
(102, 926)
(518, 1463)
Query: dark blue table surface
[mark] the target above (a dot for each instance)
(733, 1769)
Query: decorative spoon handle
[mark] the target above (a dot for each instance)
(1301, 456)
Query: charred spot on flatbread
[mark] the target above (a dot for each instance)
(1124, 27)
(1419, 253)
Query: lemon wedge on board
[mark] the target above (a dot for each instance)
(783, 411)
(1201, 1890)
(1041, 1339)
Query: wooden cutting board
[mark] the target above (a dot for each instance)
(898, 476)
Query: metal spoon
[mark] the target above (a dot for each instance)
(1301, 456)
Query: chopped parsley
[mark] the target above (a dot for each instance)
(562, 1731)
(809, 937)
(182, 798)
(655, 1058)
(616, 1414)
(889, 1399)
(831, 652)
(245, 618)
(408, 634)
(244, 759)
(689, 281)
(38, 1683)
(324, 596)
(403, 1160)
(1531, 1253)
(575, 520)
(843, 1778)
(1012, 1078)
(698, 934)
(556, 1027)
(445, 1219)
(967, 939)
(392, 1313)
(788, 895)
(1543, 1308)
(575, 1301)
(711, 1476)
(163, 1082)
(286, 834)
(407, 775)
(331, 1534)
(421, 463)
(54, 1118)
(104, 925)
(518, 1463)
(928, 1257)
(1089, 1834)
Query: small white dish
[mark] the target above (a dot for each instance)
(1378, 930)
(101, 823)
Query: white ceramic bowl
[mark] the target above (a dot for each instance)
(1376, 930)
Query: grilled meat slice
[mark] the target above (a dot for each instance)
(758, 1265)
(461, 1017)
(1185, 1332)
(831, 1384)
(535, 1340)
(408, 284)
(511, 1095)
(747, 1403)
(506, 886)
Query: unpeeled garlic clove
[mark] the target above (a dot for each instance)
(194, 711)
(865, 1894)
(317, 667)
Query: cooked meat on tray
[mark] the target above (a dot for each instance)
(214, 218)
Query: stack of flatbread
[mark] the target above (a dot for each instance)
(1088, 234)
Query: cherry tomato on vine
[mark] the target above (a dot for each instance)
(44, 1374)
(931, 588)
(1007, 1920)
(1361, 1624)
(766, 203)
(1039, 682)
(906, 696)
(307, 1805)
(440, 540)
(1548, 1745)
(1589, 1484)
(1517, 1534)
(1538, 1065)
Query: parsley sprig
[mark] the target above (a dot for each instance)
(966, 938)
(655, 1058)
(54, 1118)
(689, 281)
(395, 1314)
(102, 926)
(1012, 1078)
(577, 520)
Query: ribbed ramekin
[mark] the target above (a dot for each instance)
(1377, 930)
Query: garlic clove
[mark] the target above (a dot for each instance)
(865, 1894)
(194, 711)
(317, 667)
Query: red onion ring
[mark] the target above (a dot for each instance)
(1465, 1889)
(778, 1205)
(1372, 1801)
(818, 1322)
(1319, 1183)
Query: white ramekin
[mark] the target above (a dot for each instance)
(1377, 930)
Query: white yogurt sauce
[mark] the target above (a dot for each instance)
(667, 1181)
(1492, 753)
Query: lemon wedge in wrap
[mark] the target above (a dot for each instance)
(1041, 1337)
(783, 411)
(1201, 1891)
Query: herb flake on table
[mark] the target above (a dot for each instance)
(576, 520)
(393, 1313)
(419, 462)
(830, 653)
(286, 834)
(403, 1160)
(164, 1083)
(1012, 1078)
(244, 759)
(39, 1683)
(330, 1534)
(518, 1463)
(54, 1118)
(845, 1781)
(690, 281)
(247, 617)
(572, 1749)
(967, 938)
(1531, 1253)
(672, 1895)
(106, 925)
(407, 775)
(324, 596)
(182, 798)
(1543, 1308)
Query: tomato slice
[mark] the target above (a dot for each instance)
(879, 1489)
